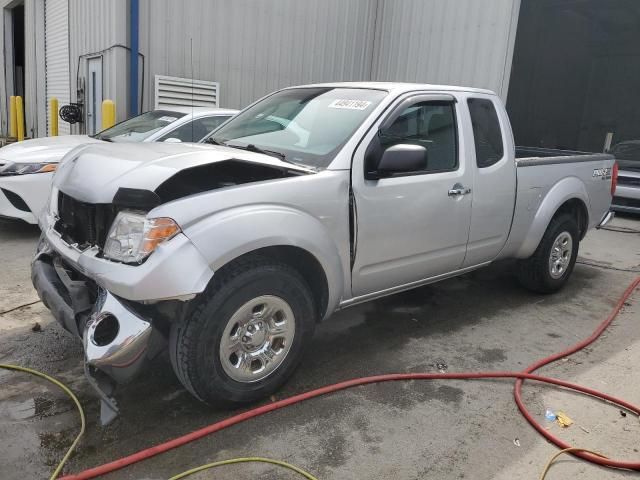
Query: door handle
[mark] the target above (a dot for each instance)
(458, 190)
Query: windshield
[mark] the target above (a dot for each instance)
(139, 128)
(303, 125)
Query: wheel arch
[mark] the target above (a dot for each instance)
(301, 260)
(567, 196)
(285, 234)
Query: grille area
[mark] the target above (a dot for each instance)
(86, 224)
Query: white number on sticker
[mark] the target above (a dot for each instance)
(350, 104)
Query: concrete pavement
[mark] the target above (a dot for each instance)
(413, 430)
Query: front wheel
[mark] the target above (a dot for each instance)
(245, 335)
(550, 266)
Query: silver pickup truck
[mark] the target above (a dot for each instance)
(313, 199)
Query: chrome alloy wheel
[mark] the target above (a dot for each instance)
(257, 339)
(560, 257)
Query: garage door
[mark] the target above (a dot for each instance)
(57, 56)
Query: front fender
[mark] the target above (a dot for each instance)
(568, 188)
(230, 233)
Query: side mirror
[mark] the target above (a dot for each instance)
(401, 158)
(172, 140)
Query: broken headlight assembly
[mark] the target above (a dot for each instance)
(14, 168)
(133, 237)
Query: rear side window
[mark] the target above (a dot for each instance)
(487, 135)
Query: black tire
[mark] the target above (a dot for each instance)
(194, 343)
(534, 273)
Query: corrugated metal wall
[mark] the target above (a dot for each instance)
(254, 47)
(96, 28)
(57, 56)
(33, 74)
(457, 42)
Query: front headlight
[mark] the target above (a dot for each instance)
(27, 168)
(133, 237)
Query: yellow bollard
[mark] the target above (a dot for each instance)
(108, 114)
(13, 124)
(53, 107)
(20, 118)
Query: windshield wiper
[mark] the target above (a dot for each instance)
(213, 141)
(252, 148)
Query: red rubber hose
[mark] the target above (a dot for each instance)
(520, 376)
(517, 393)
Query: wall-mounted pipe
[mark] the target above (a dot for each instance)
(133, 57)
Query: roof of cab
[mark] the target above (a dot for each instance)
(399, 87)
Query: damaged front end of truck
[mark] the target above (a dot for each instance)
(113, 274)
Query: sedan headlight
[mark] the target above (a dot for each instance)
(14, 168)
(133, 237)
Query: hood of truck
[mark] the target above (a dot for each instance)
(97, 172)
(47, 149)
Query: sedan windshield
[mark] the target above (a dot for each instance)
(302, 125)
(139, 128)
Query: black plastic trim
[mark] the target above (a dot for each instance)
(136, 198)
(16, 200)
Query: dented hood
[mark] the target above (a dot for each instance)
(95, 174)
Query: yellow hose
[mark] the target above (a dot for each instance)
(306, 475)
(562, 452)
(66, 390)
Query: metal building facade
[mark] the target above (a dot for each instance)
(253, 47)
(98, 30)
(459, 42)
(56, 49)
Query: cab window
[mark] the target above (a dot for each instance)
(429, 124)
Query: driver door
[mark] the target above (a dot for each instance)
(413, 225)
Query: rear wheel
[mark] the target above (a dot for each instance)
(244, 337)
(551, 265)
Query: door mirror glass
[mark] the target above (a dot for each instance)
(172, 140)
(402, 158)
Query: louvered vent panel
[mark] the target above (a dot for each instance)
(175, 91)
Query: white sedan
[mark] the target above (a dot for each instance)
(26, 168)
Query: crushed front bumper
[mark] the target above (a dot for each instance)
(117, 341)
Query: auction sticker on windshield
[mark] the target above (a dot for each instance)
(167, 119)
(350, 104)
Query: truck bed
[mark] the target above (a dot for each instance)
(531, 156)
(556, 173)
